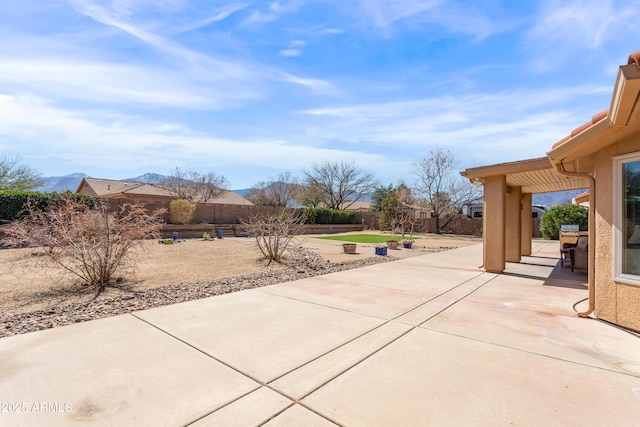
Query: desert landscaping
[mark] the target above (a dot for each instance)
(33, 296)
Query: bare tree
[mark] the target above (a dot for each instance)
(341, 184)
(16, 176)
(92, 245)
(397, 212)
(441, 187)
(280, 191)
(196, 187)
(274, 232)
(311, 197)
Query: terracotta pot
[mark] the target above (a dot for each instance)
(349, 248)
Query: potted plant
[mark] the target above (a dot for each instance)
(349, 248)
(392, 244)
(381, 250)
(407, 244)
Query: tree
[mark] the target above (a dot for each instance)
(196, 187)
(280, 191)
(441, 187)
(91, 244)
(339, 183)
(379, 194)
(311, 197)
(559, 215)
(16, 176)
(273, 233)
(397, 210)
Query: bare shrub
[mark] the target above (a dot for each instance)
(92, 245)
(273, 233)
(181, 211)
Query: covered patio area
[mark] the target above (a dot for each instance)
(508, 191)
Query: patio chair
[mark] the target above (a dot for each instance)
(565, 255)
(580, 253)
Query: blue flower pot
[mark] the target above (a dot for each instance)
(381, 251)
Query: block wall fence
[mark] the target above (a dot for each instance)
(214, 213)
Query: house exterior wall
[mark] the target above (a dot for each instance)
(615, 302)
(86, 189)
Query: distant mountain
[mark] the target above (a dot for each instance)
(61, 183)
(242, 192)
(149, 178)
(557, 198)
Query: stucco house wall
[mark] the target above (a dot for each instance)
(615, 302)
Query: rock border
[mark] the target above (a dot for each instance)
(304, 264)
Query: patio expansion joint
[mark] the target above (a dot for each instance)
(351, 366)
(559, 359)
(324, 305)
(519, 309)
(260, 382)
(371, 354)
(443, 294)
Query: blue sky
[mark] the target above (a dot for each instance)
(117, 88)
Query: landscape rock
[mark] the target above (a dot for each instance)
(304, 264)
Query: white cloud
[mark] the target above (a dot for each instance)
(205, 67)
(88, 141)
(290, 52)
(97, 82)
(257, 19)
(514, 124)
(567, 30)
(470, 18)
(218, 16)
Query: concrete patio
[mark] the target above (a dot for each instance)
(426, 340)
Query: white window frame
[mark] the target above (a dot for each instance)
(619, 221)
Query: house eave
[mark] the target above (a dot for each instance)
(621, 120)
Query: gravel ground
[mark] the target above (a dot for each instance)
(304, 264)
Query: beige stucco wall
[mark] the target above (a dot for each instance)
(513, 225)
(494, 223)
(615, 302)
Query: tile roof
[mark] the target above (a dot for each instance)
(634, 58)
(358, 205)
(595, 119)
(112, 188)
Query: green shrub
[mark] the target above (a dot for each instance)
(181, 211)
(324, 216)
(328, 216)
(13, 203)
(560, 215)
(310, 215)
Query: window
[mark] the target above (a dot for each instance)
(626, 211)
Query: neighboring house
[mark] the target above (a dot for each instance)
(419, 212)
(604, 154)
(357, 206)
(114, 189)
(582, 199)
(474, 210)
